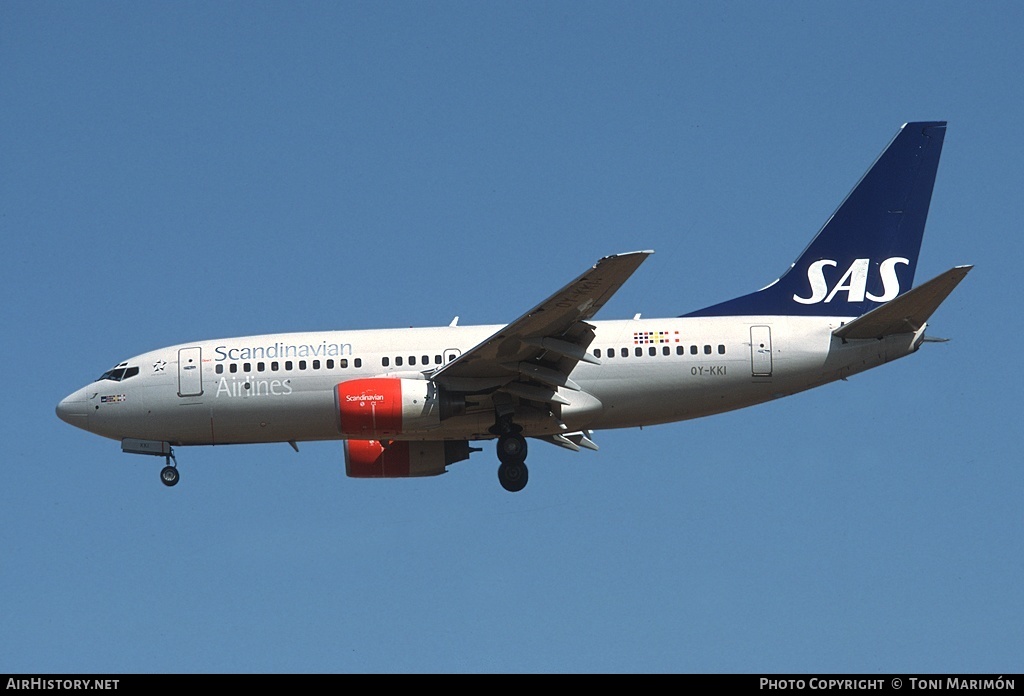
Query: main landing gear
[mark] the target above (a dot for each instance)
(512, 473)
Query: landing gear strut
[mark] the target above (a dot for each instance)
(169, 474)
(512, 473)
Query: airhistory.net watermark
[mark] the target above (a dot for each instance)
(32, 683)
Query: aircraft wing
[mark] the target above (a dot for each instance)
(533, 356)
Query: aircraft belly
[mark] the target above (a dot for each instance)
(695, 389)
(679, 396)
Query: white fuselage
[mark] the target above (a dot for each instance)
(281, 387)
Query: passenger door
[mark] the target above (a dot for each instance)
(190, 372)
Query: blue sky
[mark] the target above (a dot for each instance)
(179, 171)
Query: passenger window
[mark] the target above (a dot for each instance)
(343, 363)
(625, 352)
(260, 367)
(652, 351)
(274, 366)
(412, 359)
(385, 361)
(233, 368)
(639, 351)
(437, 359)
(246, 367)
(597, 352)
(693, 350)
(707, 350)
(680, 350)
(288, 365)
(721, 349)
(358, 362)
(316, 364)
(330, 364)
(665, 350)
(611, 352)
(219, 369)
(425, 360)
(302, 364)
(398, 361)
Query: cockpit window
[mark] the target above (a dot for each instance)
(119, 373)
(116, 375)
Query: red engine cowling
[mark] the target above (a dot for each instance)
(382, 407)
(401, 458)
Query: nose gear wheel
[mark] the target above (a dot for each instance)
(169, 475)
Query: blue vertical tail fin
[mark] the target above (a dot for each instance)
(866, 254)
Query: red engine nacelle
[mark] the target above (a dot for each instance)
(401, 458)
(376, 408)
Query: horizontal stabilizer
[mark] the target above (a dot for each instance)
(908, 312)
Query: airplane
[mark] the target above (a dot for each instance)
(410, 402)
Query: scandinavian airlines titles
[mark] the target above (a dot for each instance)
(283, 350)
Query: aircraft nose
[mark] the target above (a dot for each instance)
(74, 409)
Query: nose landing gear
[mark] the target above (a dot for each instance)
(169, 474)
